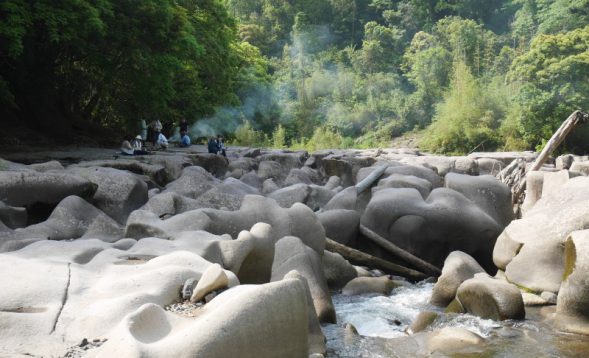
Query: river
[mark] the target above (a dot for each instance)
(381, 322)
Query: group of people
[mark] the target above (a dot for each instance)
(217, 145)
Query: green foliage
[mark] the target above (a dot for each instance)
(323, 138)
(552, 83)
(467, 119)
(246, 135)
(279, 137)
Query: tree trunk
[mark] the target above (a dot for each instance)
(398, 252)
(369, 180)
(360, 258)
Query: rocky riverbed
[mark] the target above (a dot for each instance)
(184, 253)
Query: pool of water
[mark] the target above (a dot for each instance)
(381, 322)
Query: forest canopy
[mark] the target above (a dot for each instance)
(463, 74)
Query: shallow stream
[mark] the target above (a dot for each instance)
(381, 322)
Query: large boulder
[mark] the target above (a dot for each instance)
(318, 197)
(534, 184)
(119, 192)
(227, 195)
(531, 250)
(27, 188)
(341, 225)
(458, 267)
(292, 254)
(286, 197)
(287, 160)
(156, 172)
(491, 298)
(193, 182)
(269, 169)
(405, 181)
(430, 229)
(338, 271)
(74, 218)
(213, 163)
(246, 321)
(488, 193)
(572, 307)
(369, 285)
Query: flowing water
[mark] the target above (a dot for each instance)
(381, 322)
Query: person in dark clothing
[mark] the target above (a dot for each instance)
(213, 145)
(183, 125)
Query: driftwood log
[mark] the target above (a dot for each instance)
(370, 179)
(514, 174)
(399, 253)
(360, 258)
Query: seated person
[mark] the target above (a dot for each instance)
(184, 139)
(137, 143)
(127, 149)
(162, 141)
(213, 145)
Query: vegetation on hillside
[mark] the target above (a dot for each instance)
(467, 74)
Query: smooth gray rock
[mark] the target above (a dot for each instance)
(193, 182)
(369, 285)
(487, 192)
(13, 217)
(119, 192)
(446, 221)
(490, 298)
(26, 188)
(341, 225)
(74, 218)
(458, 267)
(291, 254)
(286, 197)
(338, 271)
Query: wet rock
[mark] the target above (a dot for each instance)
(531, 299)
(362, 272)
(369, 285)
(490, 298)
(118, 192)
(451, 339)
(292, 254)
(422, 321)
(214, 278)
(338, 271)
(458, 267)
(341, 225)
(531, 249)
(572, 307)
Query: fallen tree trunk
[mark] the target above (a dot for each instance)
(398, 252)
(557, 138)
(370, 179)
(360, 258)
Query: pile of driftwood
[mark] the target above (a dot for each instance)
(514, 175)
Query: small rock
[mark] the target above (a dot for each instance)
(550, 297)
(210, 296)
(84, 342)
(188, 288)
